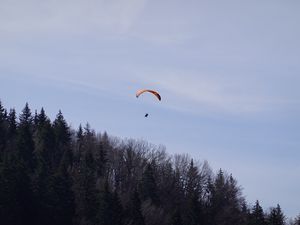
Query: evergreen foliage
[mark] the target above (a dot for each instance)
(257, 216)
(276, 216)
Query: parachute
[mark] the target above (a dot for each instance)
(139, 92)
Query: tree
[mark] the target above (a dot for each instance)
(10, 136)
(297, 220)
(276, 216)
(12, 126)
(25, 144)
(133, 211)
(110, 208)
(3, 131)
(15, 193)
(148, 186)
(176, 218)
(43, 174)
(84, 176)
(22, 162)
(62, 141)
(194, 215)
(101, 158)
(51, 174)
(225, 201)
(63, 205)
(44, 141)
(257, 215)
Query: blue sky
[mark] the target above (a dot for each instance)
(228, 73)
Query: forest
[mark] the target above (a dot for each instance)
(53, 174)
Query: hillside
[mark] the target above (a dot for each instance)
(53, 174)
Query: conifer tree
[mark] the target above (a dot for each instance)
(3, 131)
(9, 174)
(44, 147)
(101, 158)
(62, 140)
(10, 146)
(134, 214)
(148, 186)
(22, 163)
(110, 209)
(25, 144)
(15, 193)
(234, 201)
(117, 209)
(217, 198)
(176, 218)
(44, 140)
(78, 147)
(225, 201)
(194, 214)
(257, 215)
(297, 220)
(276, 216)
(12, 125)
(85, 184)
(62, 197)
(8, 197)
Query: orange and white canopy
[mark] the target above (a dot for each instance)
(139, 92)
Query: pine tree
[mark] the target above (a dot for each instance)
(257, 215)
(12, 125)
(245, 214)
(176, 218)
(85, 186)
(276, 216)
(117, 210)
(15, 193)
(23, 161)
(8, 197)
(25, 144)
(148, 186)
(3, 131)
(44, 140)
(217, 199)
(234, 202)
(44, 146)
(63, 203)
(110, 209)
(78, 154)
(297, 220)
(101, 158)
(9, 174)
(225, 201)
(194, 214)
(133, 212)
(62, 141)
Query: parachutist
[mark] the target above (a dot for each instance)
(156, 94)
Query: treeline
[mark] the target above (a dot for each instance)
(51, 174)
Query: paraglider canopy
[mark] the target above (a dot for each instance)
(139, 92)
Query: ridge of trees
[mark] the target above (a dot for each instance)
(53, 174)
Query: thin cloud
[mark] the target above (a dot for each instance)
(203, 94)
(69, 16)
